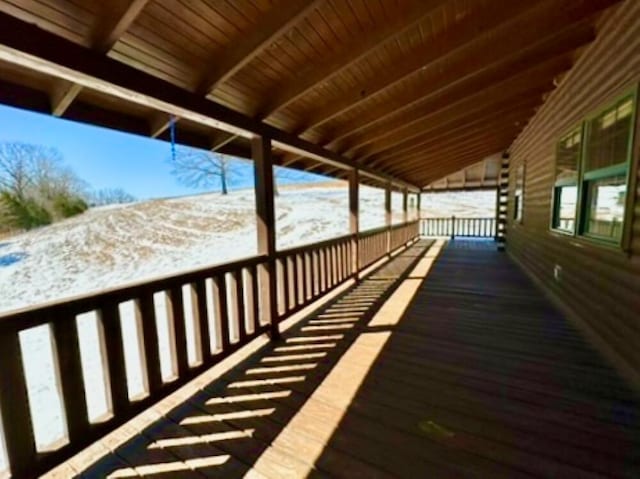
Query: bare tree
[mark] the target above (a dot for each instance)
(202, 169)
(111, 196)
(21, 164)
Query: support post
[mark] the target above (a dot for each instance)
(387, 214)
(405, 205)
(419, 212)
(265, 215)
(503, 198)
(354, 220)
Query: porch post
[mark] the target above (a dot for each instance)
(354, 214)
(387, 214)
(405, 205)
(265, 216)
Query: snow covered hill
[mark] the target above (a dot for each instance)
(115, 245)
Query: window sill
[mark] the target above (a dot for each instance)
(588, 243)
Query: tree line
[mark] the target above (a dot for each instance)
(37, 188)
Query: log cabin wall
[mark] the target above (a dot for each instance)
(599, 286)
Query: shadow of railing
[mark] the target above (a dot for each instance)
(234, 425)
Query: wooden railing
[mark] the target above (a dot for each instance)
(455, 226)
(306, 273)
(207, 314)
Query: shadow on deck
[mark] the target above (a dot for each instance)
(469, 373)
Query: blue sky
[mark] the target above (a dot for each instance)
(107, 158)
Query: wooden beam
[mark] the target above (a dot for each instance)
(539, 76)
(62, 95)
(159, 124)
(500, 114)
(457, 81)
(280, 19)
(449, 150)
(470, 30)
(266, 231)
(27, 45)
(118, 17)
(441, 167)
(222, 139)
(315, 74)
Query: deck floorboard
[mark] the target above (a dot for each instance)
(469, 372)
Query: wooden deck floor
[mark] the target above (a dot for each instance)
(469, 373)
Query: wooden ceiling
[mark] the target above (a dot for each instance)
(415, 89)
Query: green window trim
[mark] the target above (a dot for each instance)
(600, 182)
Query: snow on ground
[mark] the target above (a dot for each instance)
(115, 245)
(112, 246)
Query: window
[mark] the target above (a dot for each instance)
(606, 164)
(518, 194)
(565, 190)
(592, 174)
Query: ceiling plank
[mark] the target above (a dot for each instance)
(449, 157)
(117, 16)
(62, 96)
(529, 81)
(496, 119)
(27, 45)
(458, 82)
(442, 150)
(279, 20)
(485, 20)
(316, 74)
(428, 174)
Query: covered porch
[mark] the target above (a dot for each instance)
(445, 361)
(378, 353)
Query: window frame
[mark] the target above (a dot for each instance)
(607, 172)
(554, 189)
(628, 167)
(518, 199)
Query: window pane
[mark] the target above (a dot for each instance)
(606, 198)
(567, 157)
(518, 194)
(609, 135)
(565, 208)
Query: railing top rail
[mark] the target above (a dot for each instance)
(32, 315)
(312, 246)
(457, 217)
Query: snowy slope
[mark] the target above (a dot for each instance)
(115, 245)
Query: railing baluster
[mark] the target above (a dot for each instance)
(221, 310)
(175, 312)
(146, 310)
(67, 350)
(238, 306)
(201, 318)
(109, 317)
(14, 407)
(251, 295)
(292, 266)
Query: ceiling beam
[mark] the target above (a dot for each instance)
(64, 92)
(27, 45)
(463, 79)
(159, 124)
(430, 174)
(499, 111)
(280, 19)
(315, 74)
(450, 155)
(117, 17)
(484, 20)
(451, 147)
(528, 82)
(430, 171)
(221, 139)
(503, 114)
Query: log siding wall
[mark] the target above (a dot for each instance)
(599, 286)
